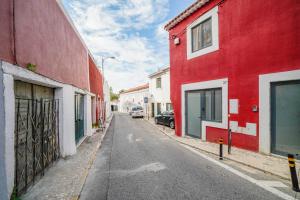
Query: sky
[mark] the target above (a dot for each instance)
(131, 31)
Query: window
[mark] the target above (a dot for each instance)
(203, 34)
(169, 106)
(212, 106)
(158, 82)
(218, 105)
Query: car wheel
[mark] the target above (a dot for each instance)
(172, 125)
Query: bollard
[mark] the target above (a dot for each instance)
(221, 148)
(294, 177)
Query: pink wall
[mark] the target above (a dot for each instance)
(255, 37)
(5, 31)
(44, 37)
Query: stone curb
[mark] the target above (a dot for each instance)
(209, 152)
(91, 161)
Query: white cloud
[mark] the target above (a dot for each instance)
(115, 28)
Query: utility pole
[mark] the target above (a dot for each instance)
(103, 79)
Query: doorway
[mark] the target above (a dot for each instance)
(285, 117)
(193, 115)
(36, 133)
(202, 105)
(152, 110)
(158, 109)
(79, 117)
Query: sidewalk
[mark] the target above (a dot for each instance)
(66, 178)
(269, 164)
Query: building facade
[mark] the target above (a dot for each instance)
(236, 65)
(46, 91)
(159, 88)
(133, 97)
(96, 88)
(107, 103)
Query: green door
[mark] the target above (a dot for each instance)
(285, 117)
(79, 117)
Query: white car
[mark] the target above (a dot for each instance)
(137, 111)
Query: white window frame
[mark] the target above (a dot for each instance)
(213, 14)
(219, 83)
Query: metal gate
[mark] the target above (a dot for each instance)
(36, 139)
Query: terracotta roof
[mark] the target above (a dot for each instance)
(187, 12)
(141, 87)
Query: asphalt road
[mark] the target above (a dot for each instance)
(135, 161)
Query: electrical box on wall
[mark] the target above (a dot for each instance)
(234, 106)
(254, 108)
(176, 41)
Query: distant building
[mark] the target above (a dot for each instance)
(107, 104)
(236, 64)
(114, 105)
(159, 88)
(133, 97)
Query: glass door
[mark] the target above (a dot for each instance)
(285, 117)
(193, 113)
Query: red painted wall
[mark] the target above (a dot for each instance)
(43, 37)
(255, 37)
(96, 84)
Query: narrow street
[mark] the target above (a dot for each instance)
(135, 161)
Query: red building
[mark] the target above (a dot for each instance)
(96, 87)
(237, 64)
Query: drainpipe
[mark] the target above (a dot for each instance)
(14, 49)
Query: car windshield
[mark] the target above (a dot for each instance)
(137, 108)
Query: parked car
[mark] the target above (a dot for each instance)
(166, 118)
(137, 111)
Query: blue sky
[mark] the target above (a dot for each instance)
(130, 30)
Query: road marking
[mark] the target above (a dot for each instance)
(152, 167)
(129, 137)
(263, 184)
(273, 183)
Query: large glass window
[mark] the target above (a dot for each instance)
(213, 105)
(218, 105)
(202, 35)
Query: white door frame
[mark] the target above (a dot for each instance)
(265, 81)
(219, 83)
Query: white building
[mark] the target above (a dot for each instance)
(106, 94)
(159, 88)
(132, 97)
